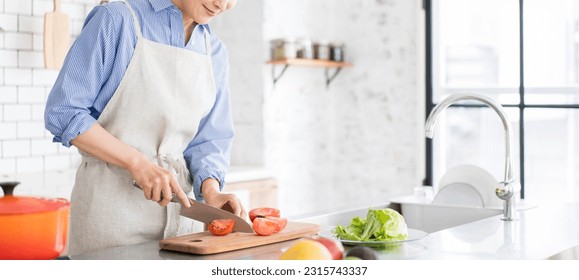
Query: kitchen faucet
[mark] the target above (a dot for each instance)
(506, 189)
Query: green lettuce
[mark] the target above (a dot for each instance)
(379, 225)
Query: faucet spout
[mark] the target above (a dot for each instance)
(506, 189)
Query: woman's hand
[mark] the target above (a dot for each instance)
(151, 178)
(157, 182)
(225, 201)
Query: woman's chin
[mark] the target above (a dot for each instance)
(204, 20)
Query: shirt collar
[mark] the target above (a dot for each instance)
(161, 4)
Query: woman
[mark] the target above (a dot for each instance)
(143, 95)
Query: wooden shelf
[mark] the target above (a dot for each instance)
(286, 62)
(310, 62)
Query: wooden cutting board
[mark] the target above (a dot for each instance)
(56, 37)
(204, 243)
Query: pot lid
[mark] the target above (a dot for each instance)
(13, 205)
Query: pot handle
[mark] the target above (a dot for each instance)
(8, 187)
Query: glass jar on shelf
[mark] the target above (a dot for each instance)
(304, 48)
(322, 50)
(337, 52)
(283, 48)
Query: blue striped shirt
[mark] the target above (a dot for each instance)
(98, 59)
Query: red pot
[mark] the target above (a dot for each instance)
(32, 227)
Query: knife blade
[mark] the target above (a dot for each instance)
(202, 212)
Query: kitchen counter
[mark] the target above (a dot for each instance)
(542, 232)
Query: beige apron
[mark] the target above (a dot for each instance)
(156, 109)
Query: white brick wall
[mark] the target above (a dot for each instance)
(32, 59)
(8, 58)
(17, 41)
(9, 22)
(40, 7)
(17, 112)
(21, 7)
(44, 77)
(29, 164)
(15, 148)
(37, 42)
(31, 95)
(7, 165)
(25, 145)
(8, 130)
(30, 24)
(30, 130)
(18, 76)
(38, 112)
(8, 94)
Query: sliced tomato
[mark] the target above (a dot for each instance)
(281, 222)
(221, 227)
(268, 225)
(263, 212)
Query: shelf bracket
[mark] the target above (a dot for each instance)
(330, 78)
(276, 78)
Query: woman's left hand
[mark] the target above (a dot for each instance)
(226, 201)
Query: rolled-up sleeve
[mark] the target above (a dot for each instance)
(208, 154)
(87, 66)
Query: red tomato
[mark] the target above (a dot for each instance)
(268, 225)
(221, 227)
(281, 222)
(264, 212)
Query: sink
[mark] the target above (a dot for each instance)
(421, 213)
(417, 213)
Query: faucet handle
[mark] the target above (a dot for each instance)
(505, 190)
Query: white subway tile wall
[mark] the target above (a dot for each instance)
(18, 76)
(25, 145)
(8, 94)
(37, 42)
(17, 41)
(8, 58)
(9, 22)
(20, 7)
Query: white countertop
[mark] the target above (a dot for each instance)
(247, 173)
(540, 233)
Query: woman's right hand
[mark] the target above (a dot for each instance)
(157, 182)
(154, 180)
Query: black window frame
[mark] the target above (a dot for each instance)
(429, 104)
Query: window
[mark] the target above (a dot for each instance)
(525, 55)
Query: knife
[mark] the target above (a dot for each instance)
(202, 212)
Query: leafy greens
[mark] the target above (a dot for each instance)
(378, 225)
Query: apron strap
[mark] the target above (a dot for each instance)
(135, 20)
